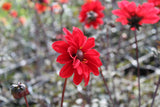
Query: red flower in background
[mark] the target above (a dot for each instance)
(40, 8)
(134, 15)
(156, 4)
(44, 1)
(78, 56)
(13, 13)
(56, 8)
(89, 0)
(91, 14)
(6, 6)
(22, 20)
(63, 1)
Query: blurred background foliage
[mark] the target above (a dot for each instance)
(26, 56)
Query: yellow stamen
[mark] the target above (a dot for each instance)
(80, 47)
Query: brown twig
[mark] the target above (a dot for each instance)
(105, 83)
(64, 87)
(26, 101)
(138, 72)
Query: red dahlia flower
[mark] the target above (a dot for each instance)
(13, 13)
(155, 2)
(22, 20)
(134, 15)
(40, 7)
(56, 8)
(6, 6)
(63, 1)
(91, 14)
(78, 56)
(89, 0)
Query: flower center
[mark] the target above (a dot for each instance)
(134, 22)
(80, 55)
(91, 16)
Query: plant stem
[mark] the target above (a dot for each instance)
(138, 72)
(155, 93)
(64, 87)
(26, 101)
(61, 17)
(106, 87)
(108, 52)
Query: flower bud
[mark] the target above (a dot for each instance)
(19, 90)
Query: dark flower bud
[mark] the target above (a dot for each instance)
(19, 90)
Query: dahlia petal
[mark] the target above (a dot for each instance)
(64, 58)
(76, 63)
(87, 26)
(72, 51)
(145, 9)
(99, 20)
(133, 28)
(86, 70)
(60, 46)
(93, 68)
(79, 37)
(66, 32)
(89, 44)
(80, 69)
(66, 71)
(77, 79)
(120, 13)
(150, 20)
(123, 20)
(70, 41)
(95, 25)
(86, 80)
(94, 60)
(69, 37)
(100, 14)
(92, 52)
(126, 5)
(40, 8)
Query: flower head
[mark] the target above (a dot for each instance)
(63, 1)
(56, 8)
(78, 56)
(40, 7)
(155, 2)
(89, 0)
(6, 6)
(91, 14)
(22, 20)
(19, 90)
(13, 13)
(134, 15)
